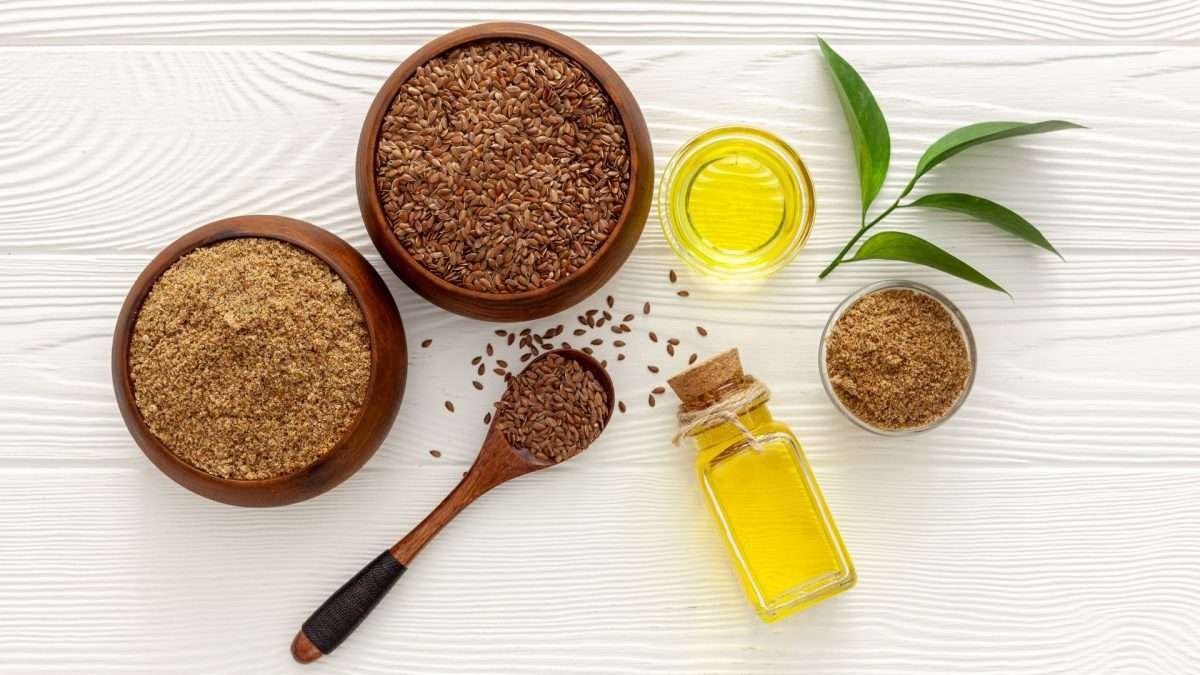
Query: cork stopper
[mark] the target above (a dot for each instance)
(701, 382)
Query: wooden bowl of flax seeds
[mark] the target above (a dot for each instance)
(259, 361)
(504, 172)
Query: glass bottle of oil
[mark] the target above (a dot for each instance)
(761, 491)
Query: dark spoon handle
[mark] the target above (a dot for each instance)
(344, 610)
(337, 618)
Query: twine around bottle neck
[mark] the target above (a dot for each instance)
(724, 410)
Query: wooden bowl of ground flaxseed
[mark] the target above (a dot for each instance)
(259, 361)
(504, 172)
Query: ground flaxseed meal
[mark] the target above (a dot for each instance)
(554, 409)
(897, 360)
(249, 358)
(502, 166)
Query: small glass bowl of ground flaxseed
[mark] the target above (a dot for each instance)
(897, 358)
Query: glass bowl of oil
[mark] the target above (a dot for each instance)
(736, 202)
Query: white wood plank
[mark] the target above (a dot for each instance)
(150, 143)
(1013, 570)
(293, 21)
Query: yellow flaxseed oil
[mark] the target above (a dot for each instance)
(736, 202)
(770, 512)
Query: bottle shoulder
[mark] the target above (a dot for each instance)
(732, 438)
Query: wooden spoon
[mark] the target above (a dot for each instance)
(497, 462)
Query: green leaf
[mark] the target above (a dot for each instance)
(868, 129)
(989, 212)
(907, 248)
(975, 134)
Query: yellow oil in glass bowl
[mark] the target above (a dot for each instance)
(736, 202)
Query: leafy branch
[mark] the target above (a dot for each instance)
(872, 152)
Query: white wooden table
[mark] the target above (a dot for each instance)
(1052, 526)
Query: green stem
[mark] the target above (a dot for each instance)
(857, 235)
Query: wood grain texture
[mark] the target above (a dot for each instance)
(1009, 570)
(1052, 526)
(274, 131)
(297, 21)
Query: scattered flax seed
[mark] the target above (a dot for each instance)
(692, 358)
(701, 331)
(511, 338)
(502, 363)
(618, 343)
(897, 360)
(526, 357)
(477, 360)
(646, 308)
(604, 364)
(609, 302)
(487, 419)
(477, 384)
(578, 331)
(627, 318)
(482, 369)
(587, 350)
(250, 359)
(653, 337)
(607, 316)
(596, 342)
(499, 371)
(617, 329)
(489, 350)
(600, 322)
(673, 341)
(436, 453)
(658, 391)
(425, 343)
(621, 406)
(673, 277)
(500, 332)
(671, 350)
(683, 294)
(502, 166)
(620, 357)
(566, 345)
(449, 406)
(650, 398)
(554, 409)
(653, 369)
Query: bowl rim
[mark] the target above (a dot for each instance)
(960, 320)
(636, 134)
(385, 383)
